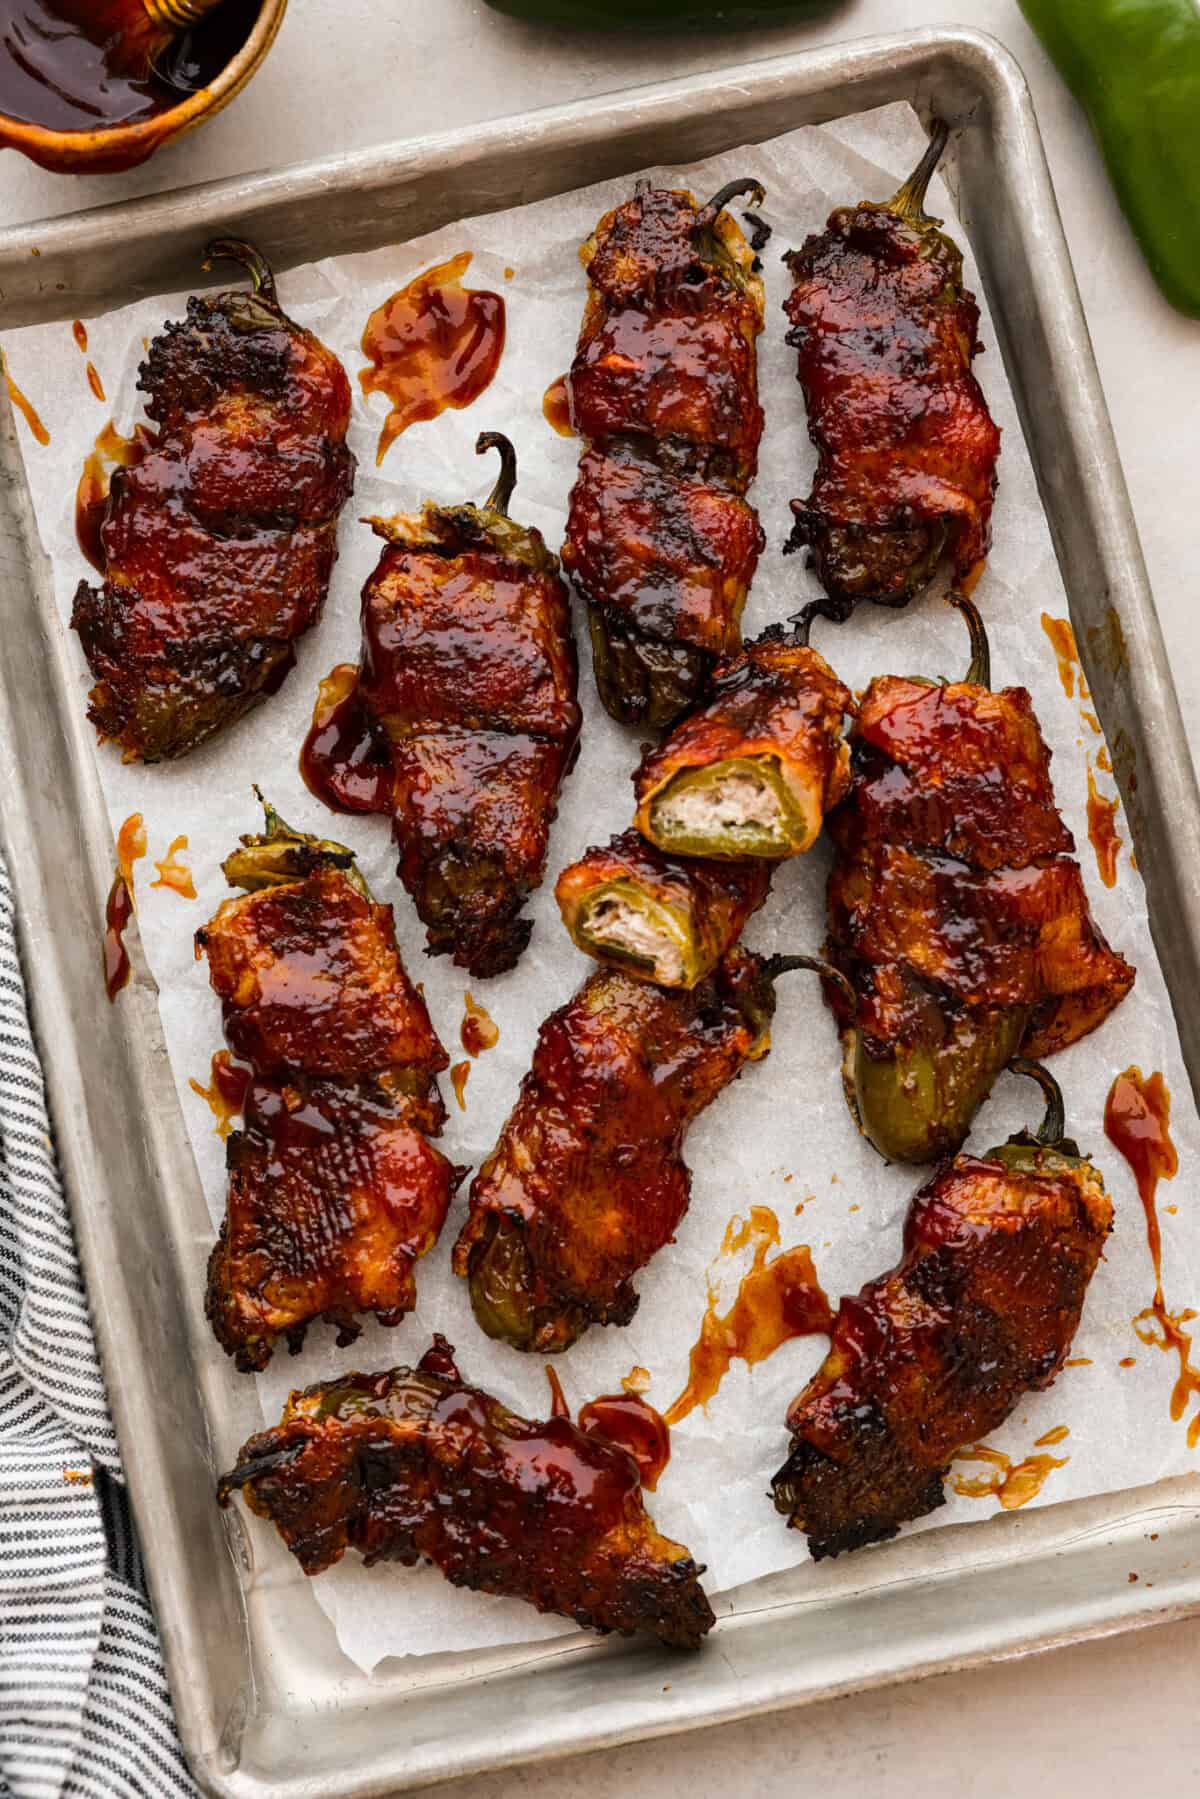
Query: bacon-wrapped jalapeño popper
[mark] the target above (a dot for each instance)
(660, 540)
(334, 1188)
(466, 709)
(220, 540)
(958, 917)
(413, 1465)
(587, 1181)
(754, 771)
(927, 1360)
(886, 333)
(661, 917)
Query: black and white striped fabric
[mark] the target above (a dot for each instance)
(84, 1708)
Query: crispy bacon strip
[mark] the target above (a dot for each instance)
(982, 1309)
(587, 1181)
(660, 540)
(413, 1464)
(334, 1189)
(220, 542)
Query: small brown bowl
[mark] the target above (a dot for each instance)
(117, 147)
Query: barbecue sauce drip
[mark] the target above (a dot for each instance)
(1014, 1484)
(117, 914)
(119, 908)
(225, 1095)
(556, 408)
(435, 344)
(624, 1419)
(23, 406)
(776, 1301)
(342, 760)
(633, 1424)
(1062, 641)
(111, 450)
(1137, 1122)
(459, 1076)
(479, 1030)
(52, 74)
(79, 333)
(1105, 839)
(174, 874)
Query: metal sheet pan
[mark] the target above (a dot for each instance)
(266, 1703)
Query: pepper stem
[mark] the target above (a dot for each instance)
(250, 1470)
(774, 966)
(282, 854)
(1054, 1124)
(802, 622)
(908, 202)
(235, 249)
(720, 200)
(979, 669)
(501, 495)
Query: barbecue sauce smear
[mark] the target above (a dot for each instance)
(23, 406)
(632, 1422)
(435, 344)
(131, 847)
(342, 760)
(225, 1095)
(776, 1301)
(111, 450)
(479, 1030)
(1137, 1122)
(1014, 1484)
(625, 1419)
(556, 408)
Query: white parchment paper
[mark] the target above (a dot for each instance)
(781, 1136)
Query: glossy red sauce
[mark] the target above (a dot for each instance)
(64, 68)
(1137, 1122)
(111, 450)
(95, 383)
(79, 333)
(1014, 1484)
(342, 759)
(1103, 835)
(556, 408)
(479, 1030)
(633, 1423)
(435, 344)
(776, 1301)
(24, 406)
(458, 1080)
(225, 1095)
(117, 914)
(174, 873)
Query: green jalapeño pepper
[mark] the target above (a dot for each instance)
(662, 15)
(957, 913)
(1134, 66)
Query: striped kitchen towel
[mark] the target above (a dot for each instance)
(84, 1707)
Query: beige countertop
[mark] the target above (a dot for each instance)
(1107, 1717)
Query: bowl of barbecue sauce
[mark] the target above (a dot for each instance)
(67, 104)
